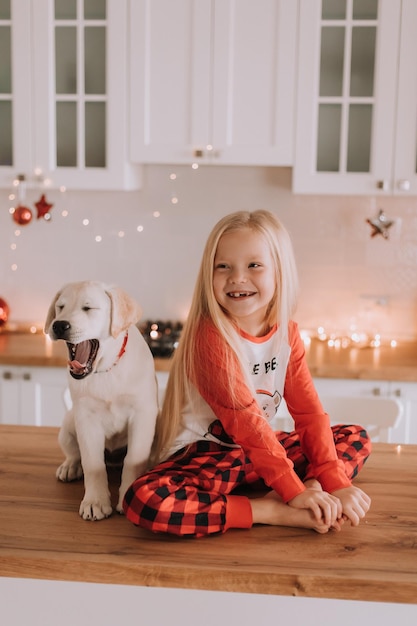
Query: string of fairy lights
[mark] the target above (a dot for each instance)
(23, 214)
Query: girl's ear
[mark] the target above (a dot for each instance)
(124, 310)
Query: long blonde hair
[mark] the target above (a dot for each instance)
(205, 306)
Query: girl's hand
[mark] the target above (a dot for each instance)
(355, 503)
(325, 507)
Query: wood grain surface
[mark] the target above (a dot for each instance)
(384, 363)
(42, 536)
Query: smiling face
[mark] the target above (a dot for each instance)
(244, 278)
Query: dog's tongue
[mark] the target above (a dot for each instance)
(82, 352)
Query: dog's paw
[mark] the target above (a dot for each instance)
(69, 471)
(119, 507)
(95, 509)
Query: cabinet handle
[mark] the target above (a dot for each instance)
(397, 393)
(198, 153)
(9, 376)
(376, 391)
(383, 184)
(403, 184)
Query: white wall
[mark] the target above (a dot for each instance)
(62, 603)
(346, 276)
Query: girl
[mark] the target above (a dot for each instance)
(239, 355)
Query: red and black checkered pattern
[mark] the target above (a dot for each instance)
(187, 494)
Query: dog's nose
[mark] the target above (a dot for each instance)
(60, 327)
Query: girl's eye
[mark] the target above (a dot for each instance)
(254, 265)
(221, 266)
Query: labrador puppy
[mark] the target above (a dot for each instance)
(113, 389)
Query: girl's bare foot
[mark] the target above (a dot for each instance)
(272, 511)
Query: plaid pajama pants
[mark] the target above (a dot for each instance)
(188, 493)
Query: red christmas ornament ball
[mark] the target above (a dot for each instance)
(4, 312)
(22, 215)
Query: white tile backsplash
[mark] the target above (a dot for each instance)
(338, 261)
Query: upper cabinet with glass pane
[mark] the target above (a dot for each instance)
(348, 123)
(63, 93)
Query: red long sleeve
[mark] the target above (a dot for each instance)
(311, 422)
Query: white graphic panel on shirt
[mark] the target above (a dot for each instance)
(267, 363)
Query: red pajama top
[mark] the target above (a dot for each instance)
(275, 371)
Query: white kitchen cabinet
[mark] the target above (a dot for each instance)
(63, 94)
(162, 379)
(212, 81)
(406, 393)
(356, 122)
(32, 395)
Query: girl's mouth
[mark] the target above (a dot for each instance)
(240, 294)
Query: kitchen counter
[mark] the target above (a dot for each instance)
(43, 537)
(367, 363)
(37, 350)
(384, 363)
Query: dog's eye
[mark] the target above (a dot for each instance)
(59, 307)
(86, 308)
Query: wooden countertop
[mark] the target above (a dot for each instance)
(43, 537)
(37, 350)
(385, 363)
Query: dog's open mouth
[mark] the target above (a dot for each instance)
(81, 357)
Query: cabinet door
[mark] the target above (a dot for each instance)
(347, 85)
(43, 396)
(170, 79)
(16, 146)
(407, 394)
(10, 395)
(63, 94)
(80, 94)
(405, 170)
(254, 82)
(345, 387)
(366, 388)
(212, 81)
(33, 396)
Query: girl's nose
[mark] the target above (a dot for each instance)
(237, 276)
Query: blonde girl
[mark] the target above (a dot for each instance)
(241, 353)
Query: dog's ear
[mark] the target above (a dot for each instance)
(124, 310)
(51, 312)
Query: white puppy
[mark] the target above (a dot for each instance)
(113, 389)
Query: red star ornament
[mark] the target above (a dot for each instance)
(43, 207)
